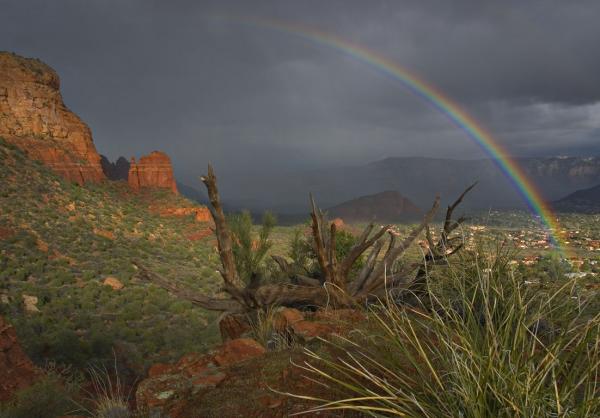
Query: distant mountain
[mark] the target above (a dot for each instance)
(388, 206)
(192, 193)
(419, 179)
(119, 170)
(583, 201)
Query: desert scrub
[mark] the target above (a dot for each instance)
(490, 345)
(51, 396)
(75, 307)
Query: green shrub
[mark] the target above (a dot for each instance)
(250, 251)
(51, 396)
(302, 252)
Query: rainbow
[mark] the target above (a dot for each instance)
(439, 101)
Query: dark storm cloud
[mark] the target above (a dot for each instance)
(176, 75)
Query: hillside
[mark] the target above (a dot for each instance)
(59, 242)
(581, 201)
(388, 207)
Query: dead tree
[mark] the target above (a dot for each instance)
(336, 287)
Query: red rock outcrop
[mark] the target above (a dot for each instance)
(16, 369)
(113, 282)
(169, 386)
(152, 171)
(237, 350)
(242, 372)
(201, 214)
(34, 117)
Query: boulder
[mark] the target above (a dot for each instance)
(238, 350)
(152, 171)
(285, 318)
(16, 369)
(168, 387)
(34, 117)
(201, 214)
(156, 393)
(159, 369)
(309, 330)
(113, 282)
(30, 303)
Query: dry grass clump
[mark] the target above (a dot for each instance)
(490, 345)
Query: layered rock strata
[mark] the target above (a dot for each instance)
(34, 117)
(152, 171)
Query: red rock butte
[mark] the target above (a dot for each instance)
(152, 171)
(34, 117)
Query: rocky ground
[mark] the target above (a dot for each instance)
(241, 377)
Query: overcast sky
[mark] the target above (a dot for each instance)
(181, 76)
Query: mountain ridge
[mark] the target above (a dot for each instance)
(389, 206)
(418, 178)
(581, 201)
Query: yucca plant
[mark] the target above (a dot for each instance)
(488, 345)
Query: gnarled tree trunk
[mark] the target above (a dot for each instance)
(336, 288)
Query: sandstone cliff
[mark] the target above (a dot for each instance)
(34, 118)
(152, 171)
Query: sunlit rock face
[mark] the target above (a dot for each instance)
(152, 171)
(34, 117)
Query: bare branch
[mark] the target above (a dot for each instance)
(334, 287)
(363, 243)
(307, 281)
(287, 270)
(182, 291)
(333, 256)
(392, 243)
(291, 295)
(376, 278)
(367, 269)
(317, 218)
(448, 226)
(229, 273)
(283, 264)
